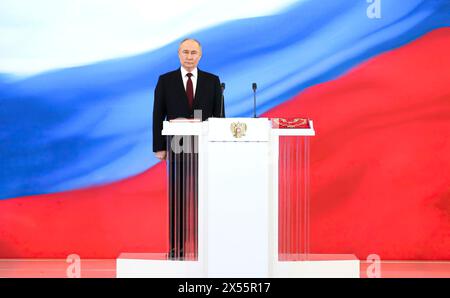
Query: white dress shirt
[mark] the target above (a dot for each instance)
(194, 76)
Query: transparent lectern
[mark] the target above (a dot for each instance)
(239, 203)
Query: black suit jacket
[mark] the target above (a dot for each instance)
(171, 101)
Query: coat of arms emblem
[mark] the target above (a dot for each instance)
(238, 129)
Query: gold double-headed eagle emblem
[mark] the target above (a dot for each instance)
(238, 129)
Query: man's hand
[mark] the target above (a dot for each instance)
(161, 155)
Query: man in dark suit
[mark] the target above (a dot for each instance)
(177, 94)
(180, 92)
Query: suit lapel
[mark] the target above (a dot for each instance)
(198, 88)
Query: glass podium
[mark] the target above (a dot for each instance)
(182, 169)
(239, 200)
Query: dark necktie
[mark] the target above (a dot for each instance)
(190, 90)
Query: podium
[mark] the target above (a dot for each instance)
(239, 201)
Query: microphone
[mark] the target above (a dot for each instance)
(254, 87)
(222, 101)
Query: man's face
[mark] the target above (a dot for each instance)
(189, 54)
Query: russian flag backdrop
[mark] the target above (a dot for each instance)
(77, 171)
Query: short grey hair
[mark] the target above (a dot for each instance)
(193, 39)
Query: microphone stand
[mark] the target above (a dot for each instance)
(254, 87)
(222, 101)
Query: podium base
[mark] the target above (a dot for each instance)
(157, 265)
(318, 266)
(135, 265)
